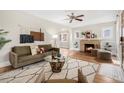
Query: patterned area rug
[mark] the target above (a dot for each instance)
(69, 71)
(112, 71)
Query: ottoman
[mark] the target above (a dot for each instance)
(104, 55)
(94, 52)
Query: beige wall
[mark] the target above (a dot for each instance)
(16, 22)
(98, 29)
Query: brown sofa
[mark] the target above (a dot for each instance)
(21, 55)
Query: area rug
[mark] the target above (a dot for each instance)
(69, 71)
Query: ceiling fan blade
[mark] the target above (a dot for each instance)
(80, 16)
(71, 21)
(79, 19)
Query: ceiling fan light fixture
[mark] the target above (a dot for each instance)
(73, 17)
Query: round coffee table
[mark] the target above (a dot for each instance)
(56, 63)
(56, 66)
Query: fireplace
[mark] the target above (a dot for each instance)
(89, 47)
(84, 43)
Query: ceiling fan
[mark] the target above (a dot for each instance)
(73, 17)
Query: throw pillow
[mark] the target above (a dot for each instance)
(34, 49)
(39, 51)
(42, 49)
(81, 77)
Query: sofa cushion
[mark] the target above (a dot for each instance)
(22, 50)
(42, 50)
(34, 49)
(46, 47)
(50, 49)
(31, 57)
(48, 53)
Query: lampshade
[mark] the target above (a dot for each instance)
(55, 36)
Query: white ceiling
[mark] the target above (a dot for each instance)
(90, 16)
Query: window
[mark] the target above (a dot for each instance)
(64, 37)
(107, 33)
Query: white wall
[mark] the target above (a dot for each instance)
(16, 22)
(97, 29)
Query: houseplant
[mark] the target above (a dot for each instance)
(3, 40)
(107, 46)
(83, 34)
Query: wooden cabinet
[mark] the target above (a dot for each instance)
(38, 36)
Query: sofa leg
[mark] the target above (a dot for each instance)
(22, 68)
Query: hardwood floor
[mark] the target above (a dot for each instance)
(5, 69)
(104, 79)
(81, 56)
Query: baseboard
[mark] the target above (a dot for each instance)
(4, 64)
(76, 49)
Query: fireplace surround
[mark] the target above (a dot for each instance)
(84, 43)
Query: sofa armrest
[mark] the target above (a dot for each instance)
(13, 57)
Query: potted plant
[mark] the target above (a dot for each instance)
(83, 34)
(76, 45)
(3, 40)
(107, 46)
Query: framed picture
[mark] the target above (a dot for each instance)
(107, 33)
(64, 37)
